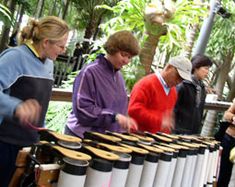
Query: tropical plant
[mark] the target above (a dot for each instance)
(57, 115)
(221, 48)
(5, 14)
(167, 30)
(90, 18)
(132, 72)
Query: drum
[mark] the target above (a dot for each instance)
(136, 165)
(232, 158)
(99, 173)
(73, 173)
(163, 168)
(150, 165)
(120, 170)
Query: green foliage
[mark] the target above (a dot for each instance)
(222, 44)
(57, 115)
(89, 9)
(222, 37)
(5, 15)
(68, 84)
(132, 72)
(129, 15)
(126, 15)
(29, 7)
(186, 14)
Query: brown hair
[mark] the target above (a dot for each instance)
(50, 27)
(122, 41)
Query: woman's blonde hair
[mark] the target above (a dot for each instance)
(122, 41)
(50, 27)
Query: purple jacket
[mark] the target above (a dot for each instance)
(98, 93)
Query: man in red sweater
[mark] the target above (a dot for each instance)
(153, 98)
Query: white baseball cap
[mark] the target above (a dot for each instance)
(183, 66)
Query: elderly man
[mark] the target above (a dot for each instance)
(153, 98)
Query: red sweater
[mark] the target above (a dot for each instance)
(149, 102)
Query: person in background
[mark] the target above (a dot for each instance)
(191, 98)
(99, 94)
(78, 53)
(228, 142)
(78, 50)
(153, 98)
(26, 79)
(13, 39)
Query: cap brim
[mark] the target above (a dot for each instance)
(184, 75)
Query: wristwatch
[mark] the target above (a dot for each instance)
(115, 117)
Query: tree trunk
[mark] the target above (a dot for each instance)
(97, 29)
(223, 75)
(59, 14)
(148, 51)
(53, 8)
(191, 40)
(19, 7)
(21, 15)
(89, 31)
(4, 2)
(210, 120)
(231, 94)
(39, 9)
(6, 29)
(65, 9)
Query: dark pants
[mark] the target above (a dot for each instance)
(8, 154)
(226, 165)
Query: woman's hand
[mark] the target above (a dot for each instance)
(126, 122)
(28, 111)
(233, 120)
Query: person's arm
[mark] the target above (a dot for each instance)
(88, 112)
(229, 114)
(10, 71)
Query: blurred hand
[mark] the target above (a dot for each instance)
(233, 120)
(126, 123)
(28, 111)
(167, 122)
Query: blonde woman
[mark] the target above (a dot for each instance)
(26, 79)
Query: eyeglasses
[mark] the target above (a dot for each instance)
(62, 47)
